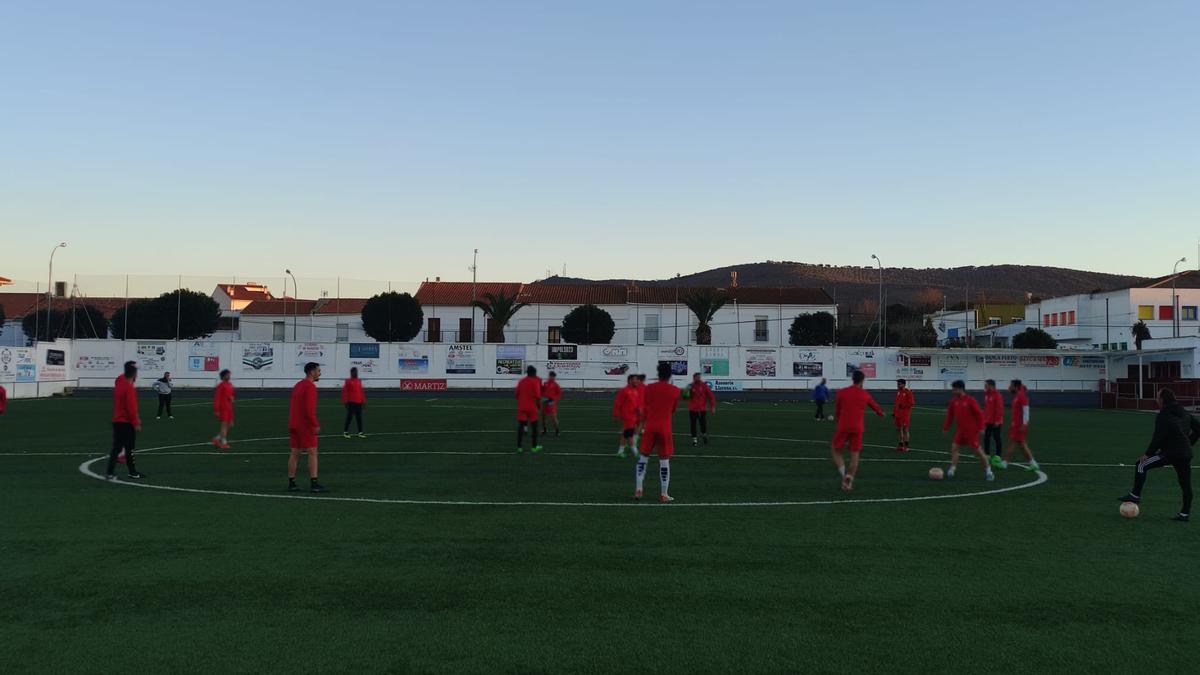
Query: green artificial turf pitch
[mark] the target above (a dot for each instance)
(97, 576)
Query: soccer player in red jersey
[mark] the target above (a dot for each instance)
(661, 400)
(125, 422)
(627, 410)
(223, 407)
(993, 419)
(641, 385)
(303, 427)
(902, 413)
(701, 402)
(967, 418)
(1018, 428)
(353, 398)
(551, 392)
(3, 399)
(529, 397)
(850, 406)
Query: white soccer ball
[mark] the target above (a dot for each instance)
(829, 418)
(1130, 509)
(936, 473)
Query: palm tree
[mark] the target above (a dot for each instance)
(1141, 333)
(705, 303)
(500, 309)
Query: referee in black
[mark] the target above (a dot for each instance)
(1175, 431)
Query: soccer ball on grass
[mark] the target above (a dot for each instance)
(936, 473)
(1130, 509)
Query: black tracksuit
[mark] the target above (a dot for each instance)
(1175, 431)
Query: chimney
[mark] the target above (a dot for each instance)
(60, 289)
(733, 279)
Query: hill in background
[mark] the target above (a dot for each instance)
(857, 288)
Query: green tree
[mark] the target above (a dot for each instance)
(500, 309)
(928, 337)
(42, 325)
(1033, 338)
(819, 328)
(588, 325)
(182, 314)
(704, 303)
(392, 317)
(1141, 333)
(82, 321)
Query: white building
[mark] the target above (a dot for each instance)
(1104, 320)
(953, 324)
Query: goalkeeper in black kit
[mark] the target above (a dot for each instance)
(1175, 432)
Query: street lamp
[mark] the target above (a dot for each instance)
(474, 272)
(1174, 298)
(49, 290)
(296, 290)
(882, 312)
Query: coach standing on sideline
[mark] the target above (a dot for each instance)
(163, 387)
(125, 421)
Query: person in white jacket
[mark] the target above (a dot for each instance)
(164, 388)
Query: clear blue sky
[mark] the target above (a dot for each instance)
(385, 140)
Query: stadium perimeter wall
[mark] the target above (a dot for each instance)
(437, 367)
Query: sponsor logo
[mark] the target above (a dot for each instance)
(423, 385)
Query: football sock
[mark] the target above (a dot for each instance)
(640, 471)
(314, 480)
(521, 434)
(664, 474)
(842, 471)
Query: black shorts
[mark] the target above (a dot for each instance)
(629, 433)
(123, 436)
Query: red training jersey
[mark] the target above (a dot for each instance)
(352, 391)
(702, 397)
(661, 400)
(302, 413)
(223, 398)
(850, 405)
(905, 401)
(529, 394)
(3, 400)
(1020, 409)
(125, 403)
(964, 412)
(641, 387)
(551, 390)
(993, 407)
(628, 406)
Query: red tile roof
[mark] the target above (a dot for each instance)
(458, 293)
(18, 305)
(574, 294)
(280, 307)
(342, 306)
(251, 291)
(745, 295)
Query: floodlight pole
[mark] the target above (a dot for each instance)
(1174, 299)
(50, 285)
(474, 272)
(882, 316)
(295, 301)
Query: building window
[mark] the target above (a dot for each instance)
(1188, 313)
(1046, 320)
(1017, 319)
(993, 321)
(343, 332)
(1124, 346)
(652, 331)
(554, 335)
(433, 333)
(1146, 312)
(1053, 319)
(1165, 313)
(278, 331)
(1071, 318)
(465, 330)
(762, 331)
(1062, 318)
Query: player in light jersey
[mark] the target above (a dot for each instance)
(902, 413)
(661, 400)
(223, 407)
(551, 392)
(529, 398)
(627, 410)
(850, 406)
(1018, 429)
(966, 417)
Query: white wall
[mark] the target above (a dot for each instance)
(33, 372)
(97, 362)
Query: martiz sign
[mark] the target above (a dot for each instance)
(422, 385)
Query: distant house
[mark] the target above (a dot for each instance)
(236, 297)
